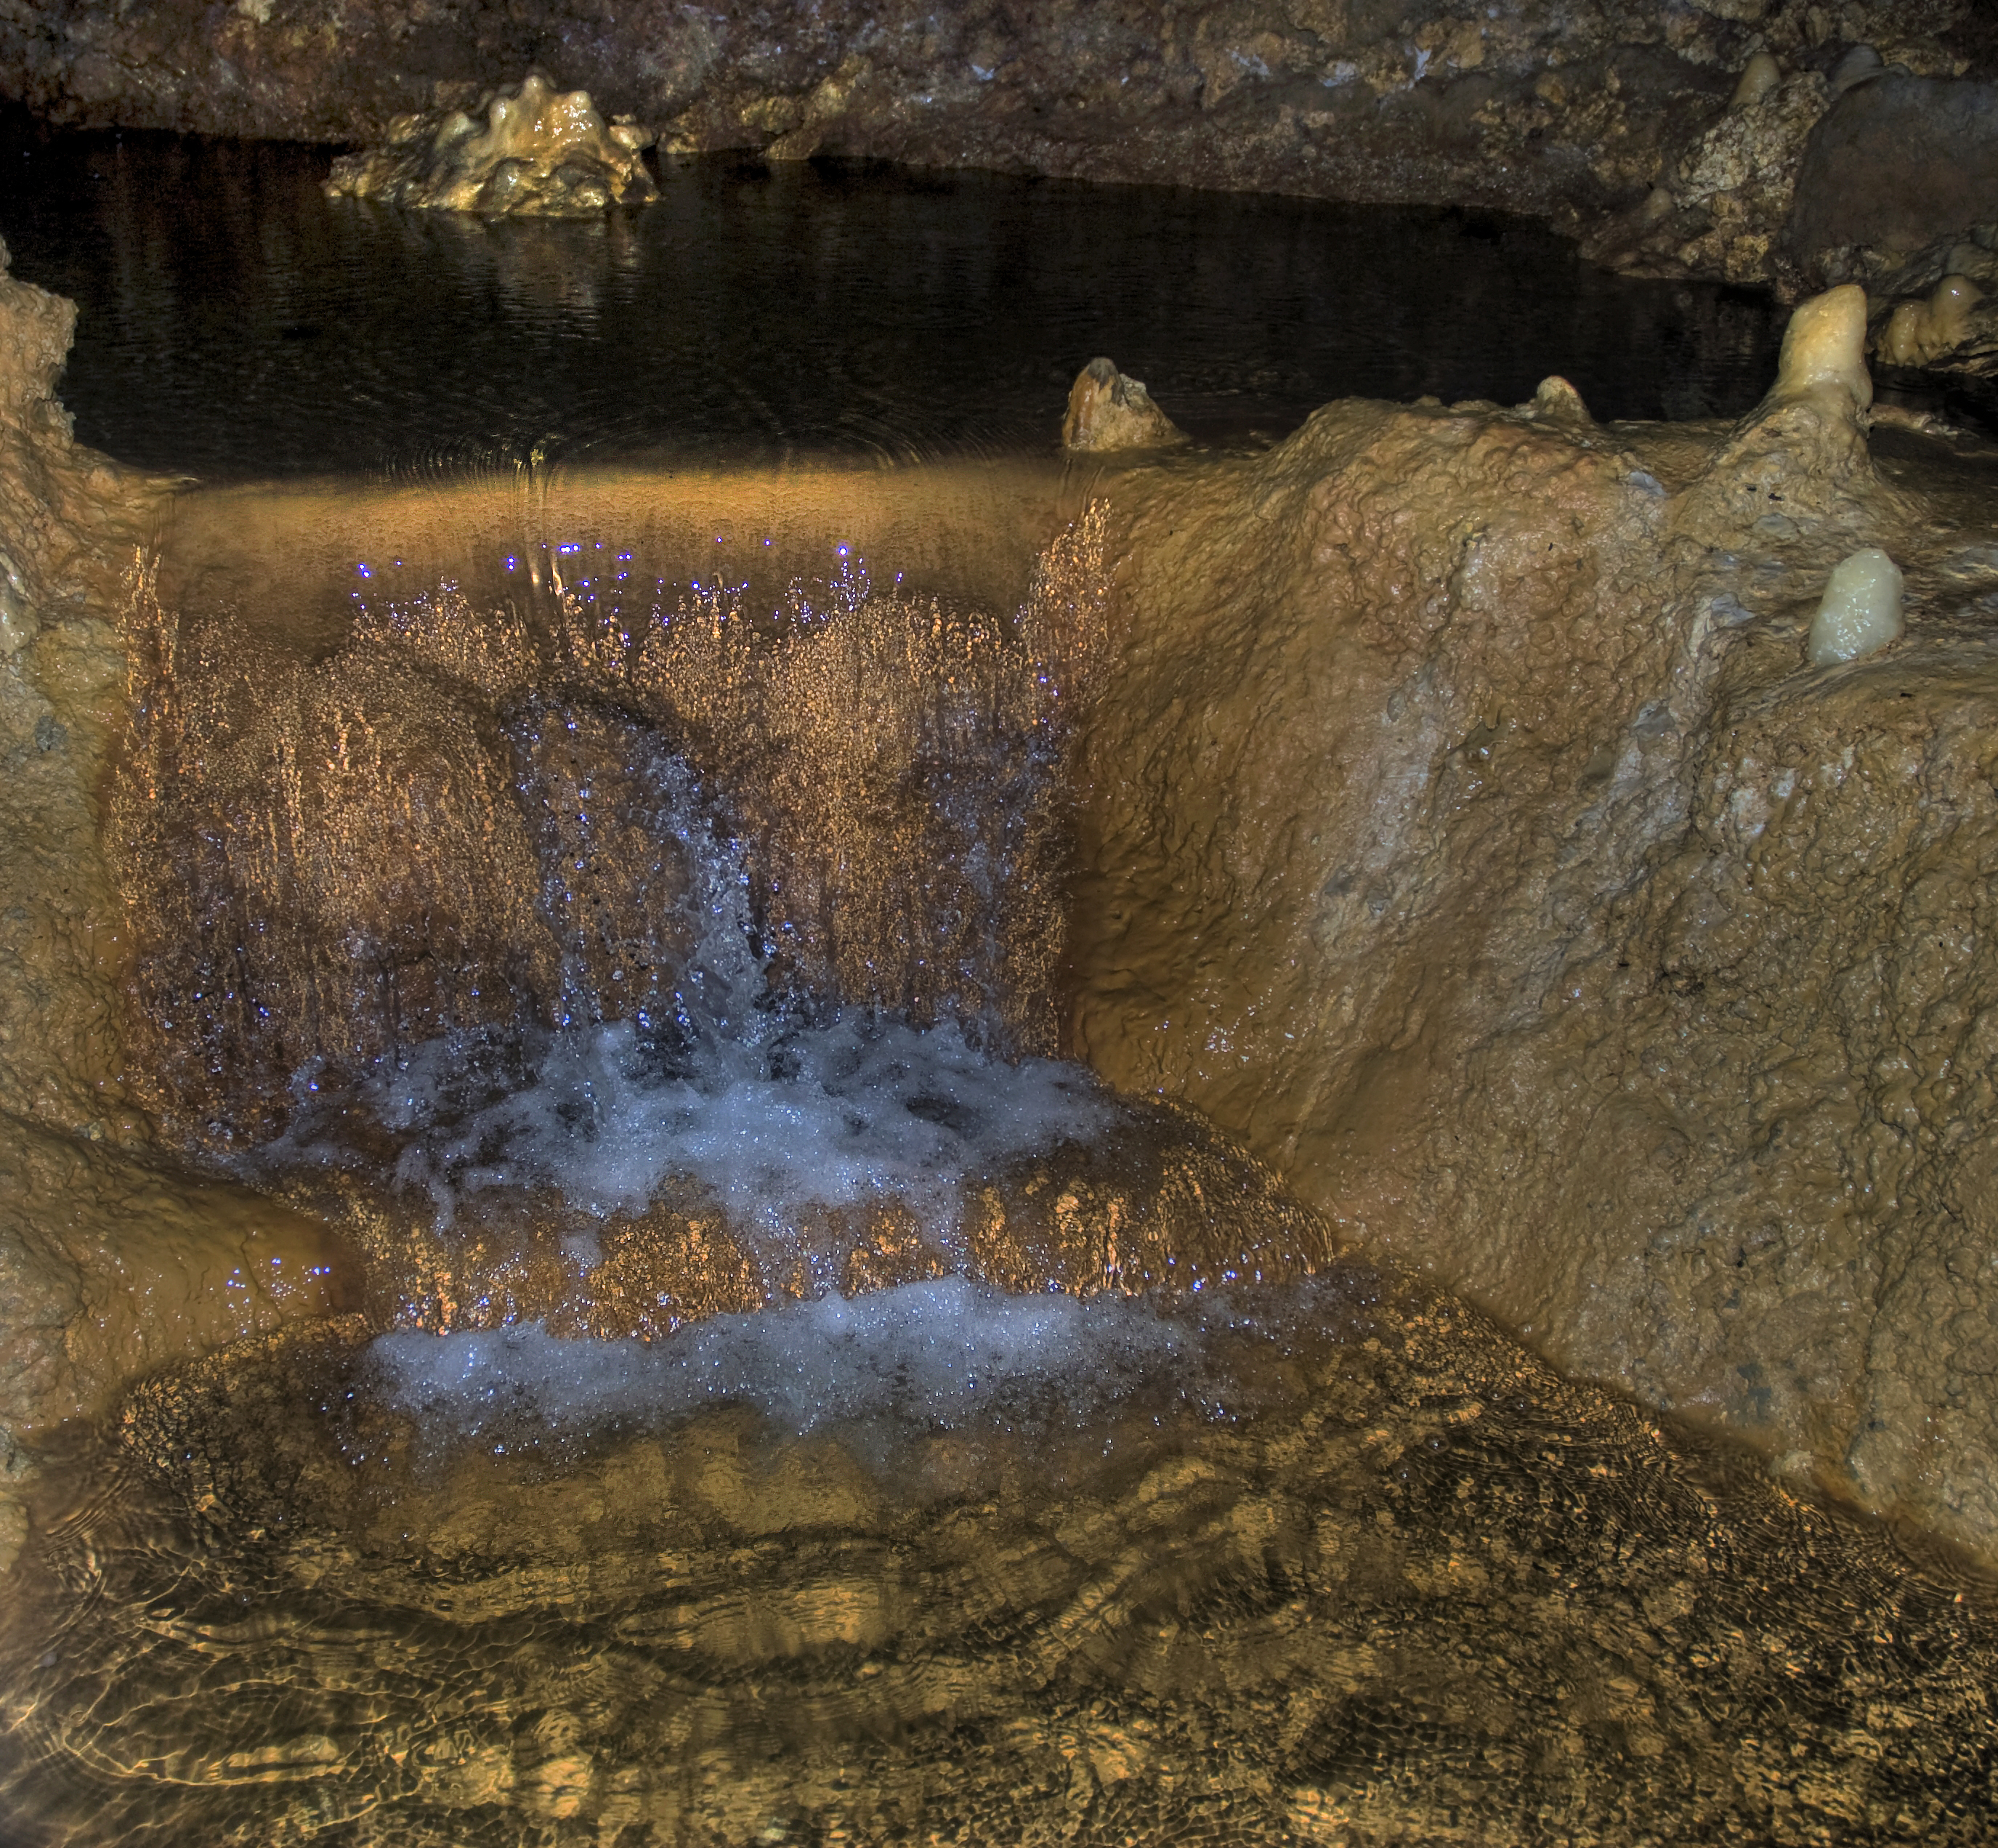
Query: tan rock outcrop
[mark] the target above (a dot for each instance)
(539, 153)
(1467, 832)
(109, 1261)
(1108, 409)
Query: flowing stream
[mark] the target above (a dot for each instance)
(594, 813)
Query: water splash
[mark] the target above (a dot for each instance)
(612, 962)
(567, 809)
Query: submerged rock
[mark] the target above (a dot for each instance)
(1035, 1565)
(539, 153)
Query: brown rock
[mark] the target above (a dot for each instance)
(1559, 107)
(112, 1264)
(1107, 410)
(69, 520)
(109, 1261)
(1896, 164)
(1720, 208)
(1467, 834)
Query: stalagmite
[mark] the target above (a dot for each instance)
(1922, 331)
(1759, 76)
(1824, 349)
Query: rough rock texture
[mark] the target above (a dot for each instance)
(540, 154)
(1818, 178)
(1720, 208)
(1574, 108)
(1469, 834)
(1108, 410)
(68, 520)
(107, 1263)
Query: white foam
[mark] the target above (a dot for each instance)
(862, 1107)
(932, 1354)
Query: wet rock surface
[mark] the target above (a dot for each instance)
(1546, 106)
(110, 1258)
(1348, 1569)
(1472, 836)
(535, 154)
(1937, 308)
(464, 819)
(1108, 410)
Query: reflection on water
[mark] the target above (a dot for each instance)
(234, 322)
(1337, 1565)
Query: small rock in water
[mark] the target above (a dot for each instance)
(541, 153)
(1108, 410)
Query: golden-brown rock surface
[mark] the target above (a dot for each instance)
(1109, 409)
(538, 155)
(110, 1262)
(1468, 833)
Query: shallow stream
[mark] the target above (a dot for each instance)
(593, 815)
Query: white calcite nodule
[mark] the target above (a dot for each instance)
(1861, 610)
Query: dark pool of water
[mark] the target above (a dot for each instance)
(234, 321)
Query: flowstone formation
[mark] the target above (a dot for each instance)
(1678, 138)
(1938, 307)
(610, 969)
(1471, 831)
(967, 1570)
(538, 154)
(109, 1261)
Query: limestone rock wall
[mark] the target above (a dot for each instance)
(1468, 833)
(68, 520)
(1577, 109)
(108, 1262)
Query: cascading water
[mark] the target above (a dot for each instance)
(610, 960)
(772, 1396)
